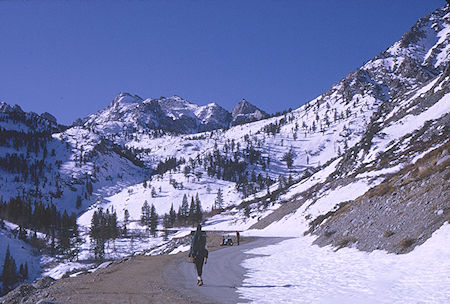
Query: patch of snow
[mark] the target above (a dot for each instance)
(61, 269)
(182, 248)
(381, 172)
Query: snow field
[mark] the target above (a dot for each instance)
(295, 271)
(132, 198)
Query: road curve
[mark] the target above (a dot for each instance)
(222, 275)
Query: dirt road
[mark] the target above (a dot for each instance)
(153, 279)
(223, 274)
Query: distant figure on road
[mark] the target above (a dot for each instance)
(199, 252)
(237, 237)
(226, 241)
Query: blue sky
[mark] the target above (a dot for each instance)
(71, 58)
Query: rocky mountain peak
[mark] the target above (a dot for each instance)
(245, 112)
(174, 103)
(6, 108)
(243, 107)
(125, 98)
(49, 117)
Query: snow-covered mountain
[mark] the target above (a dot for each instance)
(349, 128)
(245, 112)
(128, 113)
(13, 118)
(308, 170)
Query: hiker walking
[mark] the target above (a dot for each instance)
(199, 252)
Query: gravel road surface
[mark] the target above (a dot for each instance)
(222, 275)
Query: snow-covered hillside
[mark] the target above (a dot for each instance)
(22, 253)
(40, 164)
(358, 119)
(282, 175)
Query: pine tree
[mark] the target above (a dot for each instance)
(9, 274)
(183, 211)
(192, 212)
(198, 211)
(197, 200)
(75, 243)
(126, 220)
(153, 220)
(289, 157)
(114, 229)
(97, 234)
(219, 199)
(172, 216)
(64, 234)
(145, 216)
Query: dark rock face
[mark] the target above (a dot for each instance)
(49, 117)
(245, 112)
(6, 108)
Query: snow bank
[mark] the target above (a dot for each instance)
(296, 271)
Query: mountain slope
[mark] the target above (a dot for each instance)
(329, 168)
(404, 145)
(353, 124)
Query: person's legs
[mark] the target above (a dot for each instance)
(199, 266)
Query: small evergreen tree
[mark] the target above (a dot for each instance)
(145, 216)
(126, 220)
(219, 200)
(289, 157)
(153, 220)
(198, 214)
(183, 211)
(9, 273)
(97, 235)
(76, 242)
(172, 216)
(192, 216)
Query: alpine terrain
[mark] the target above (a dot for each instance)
(362, 171)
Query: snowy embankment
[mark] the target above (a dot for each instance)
(296, 271)
(20, 251)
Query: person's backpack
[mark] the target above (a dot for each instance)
(199, 245)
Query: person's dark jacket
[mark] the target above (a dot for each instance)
(198, 245)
